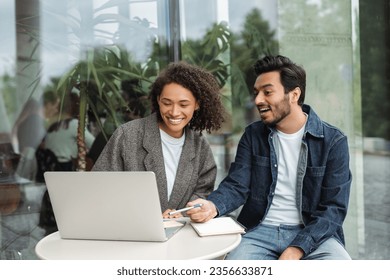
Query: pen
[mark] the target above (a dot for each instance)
(185, 209)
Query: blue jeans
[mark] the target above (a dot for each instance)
(267, 242)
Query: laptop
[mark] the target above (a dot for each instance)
(108, 205)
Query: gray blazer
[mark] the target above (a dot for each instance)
(136, 146)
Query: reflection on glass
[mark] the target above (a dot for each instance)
(109, 52)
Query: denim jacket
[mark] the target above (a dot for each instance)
(323, 180)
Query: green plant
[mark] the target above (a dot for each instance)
(98, 75)
(209, 51)
(98, 81)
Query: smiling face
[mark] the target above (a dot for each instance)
(272, 103)
(177, 106)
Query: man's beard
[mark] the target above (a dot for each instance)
(283, 112)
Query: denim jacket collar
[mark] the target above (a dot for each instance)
(313, 124)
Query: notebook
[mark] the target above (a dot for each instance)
(108, 206)
(218, 226)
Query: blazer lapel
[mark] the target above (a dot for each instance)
(154, 160)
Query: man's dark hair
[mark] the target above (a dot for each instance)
(291, 74)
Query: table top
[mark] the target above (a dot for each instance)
(184, 245)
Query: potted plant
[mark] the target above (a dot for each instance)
(98, 81)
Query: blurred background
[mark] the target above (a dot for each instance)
(93, 61)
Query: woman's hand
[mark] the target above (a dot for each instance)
(167, 216)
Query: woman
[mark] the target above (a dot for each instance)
(185, 100)
(58, 152)
(61, 137)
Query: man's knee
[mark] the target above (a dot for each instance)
(331, 249)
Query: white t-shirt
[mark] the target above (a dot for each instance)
(171, 148)
(284, 208)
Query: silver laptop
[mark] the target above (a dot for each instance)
(108, 206)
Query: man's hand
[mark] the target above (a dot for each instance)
(291, 253)
(204, 213)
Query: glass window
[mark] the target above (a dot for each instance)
(7, 65)
(107, 53)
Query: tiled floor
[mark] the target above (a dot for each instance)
(19, 231)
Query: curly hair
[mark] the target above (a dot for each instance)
(202, 85)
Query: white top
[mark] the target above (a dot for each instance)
(284, 208)
(63, 142)
(171, 148)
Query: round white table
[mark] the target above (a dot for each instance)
(184, 245)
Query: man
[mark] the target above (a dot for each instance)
(291, 174)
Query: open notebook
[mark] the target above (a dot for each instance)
(108, 206)
(218, 226)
